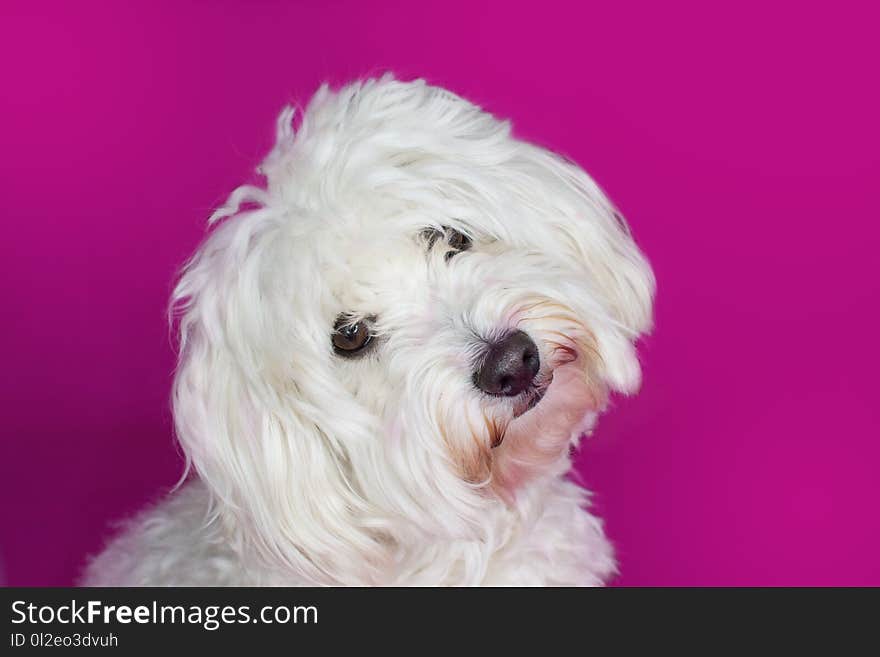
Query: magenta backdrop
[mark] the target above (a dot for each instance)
(740, 141)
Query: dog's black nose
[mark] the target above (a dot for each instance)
(510, 366)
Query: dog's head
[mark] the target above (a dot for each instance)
(411, 323)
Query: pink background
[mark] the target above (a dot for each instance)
(740, 141)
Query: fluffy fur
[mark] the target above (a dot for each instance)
(313, 469)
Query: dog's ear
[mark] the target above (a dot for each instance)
(244, 402)
(583, 225)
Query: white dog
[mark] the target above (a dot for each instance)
(387, 355)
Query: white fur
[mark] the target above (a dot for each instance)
(319, 470)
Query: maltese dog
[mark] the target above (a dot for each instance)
(387, 356)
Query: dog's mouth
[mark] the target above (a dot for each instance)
(557, 404)
(530, 398)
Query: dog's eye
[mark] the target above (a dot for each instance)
(458, 241)
(454, 239)
(350, 339)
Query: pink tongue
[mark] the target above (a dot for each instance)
(567, 400)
